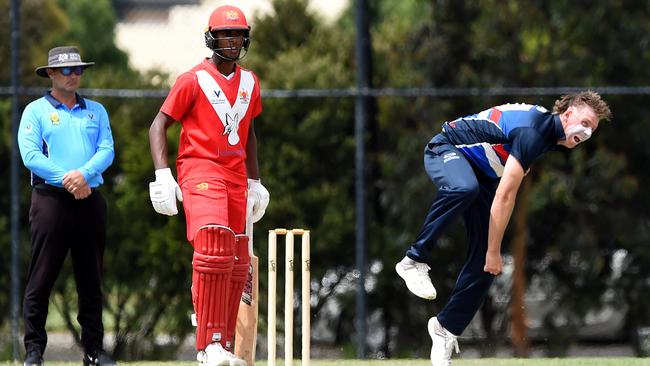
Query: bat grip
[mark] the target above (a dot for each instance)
(249, 225)
(249, 233)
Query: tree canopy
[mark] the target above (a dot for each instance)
(586, 208)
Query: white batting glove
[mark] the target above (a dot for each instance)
(164, 192)
(260, 197)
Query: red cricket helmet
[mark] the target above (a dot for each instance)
(227, 17)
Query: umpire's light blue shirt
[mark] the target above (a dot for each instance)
(54, 140)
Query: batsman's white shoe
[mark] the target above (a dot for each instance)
(416, 276)
(443, 343)
(213, 355)
(234, 360)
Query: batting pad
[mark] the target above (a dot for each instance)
(237, 282)
(212, 266)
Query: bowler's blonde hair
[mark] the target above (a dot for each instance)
(589, 98)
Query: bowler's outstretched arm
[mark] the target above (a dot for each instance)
(500, 212)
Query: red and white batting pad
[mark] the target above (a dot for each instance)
(237, 282)
(212, 265)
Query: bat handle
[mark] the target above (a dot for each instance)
(249, 225)
(249, 233)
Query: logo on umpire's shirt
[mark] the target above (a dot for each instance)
(54, 117)
(202, 186)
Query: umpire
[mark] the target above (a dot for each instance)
(65, 141)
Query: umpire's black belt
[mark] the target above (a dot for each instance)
(51, 188)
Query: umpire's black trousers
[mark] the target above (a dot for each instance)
(59, 224)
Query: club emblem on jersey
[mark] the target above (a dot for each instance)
(231, 128)
(54, 117)
(202, 186)
(243, 96)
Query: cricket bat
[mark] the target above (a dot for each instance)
(246, 329)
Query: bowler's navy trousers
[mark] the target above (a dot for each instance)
(461, 190)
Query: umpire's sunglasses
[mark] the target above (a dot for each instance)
(66, 71)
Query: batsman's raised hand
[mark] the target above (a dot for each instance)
(164, 192)
(260, 197)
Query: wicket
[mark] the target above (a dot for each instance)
(288, 295)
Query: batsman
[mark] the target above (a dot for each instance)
(216, 103)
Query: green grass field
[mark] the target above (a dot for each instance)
(459, 362)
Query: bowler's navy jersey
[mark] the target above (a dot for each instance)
(487, 139)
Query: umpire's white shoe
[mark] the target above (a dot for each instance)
(213, 355)
(443, 343)
(416, 276)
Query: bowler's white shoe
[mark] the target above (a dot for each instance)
(443, 342)
(416, 276)
(215, 355)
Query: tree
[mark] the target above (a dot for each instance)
(584, 208)
(144, 261)
(45, 16)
